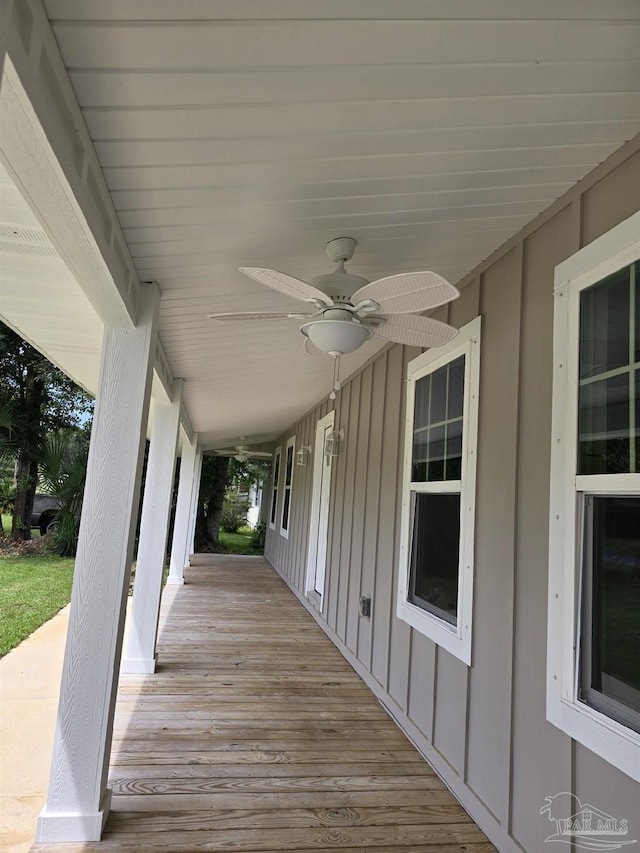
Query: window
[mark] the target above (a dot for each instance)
(288, 479)
(438, 506)
(274, 488)
(593, 666)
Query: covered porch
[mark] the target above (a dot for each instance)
(152, 150)
(255, 734)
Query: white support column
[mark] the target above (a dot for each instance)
(140, 656)
(78, 800)
(195, 494)
(182, 523)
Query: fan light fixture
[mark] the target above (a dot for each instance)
(338, 333)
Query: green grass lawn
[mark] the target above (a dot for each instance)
(32, 590)
(238, 543)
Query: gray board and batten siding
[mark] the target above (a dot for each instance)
(483, 728)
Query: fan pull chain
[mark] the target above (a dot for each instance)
(336, 377)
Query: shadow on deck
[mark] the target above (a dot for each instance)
(256, 735)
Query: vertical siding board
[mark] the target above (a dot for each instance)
(489, 702)
(611, 200)
(450, 716)
(349, 452)
(361, 451)
(541, 754)
(467, 306)
(336, 508)
(372, 504)
(422, 673)
(398, 675)
(607, 788)
(383, 601)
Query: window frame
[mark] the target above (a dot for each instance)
(603, 735)
(287, 487)
(275, 487)
(454, 638)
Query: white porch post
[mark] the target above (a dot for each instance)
(140, 654)
(182, 524)
(78, 799)
(195, 494)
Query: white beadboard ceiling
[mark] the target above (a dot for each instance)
(251, 132)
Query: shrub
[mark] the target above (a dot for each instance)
(258, 536)
(234, 513)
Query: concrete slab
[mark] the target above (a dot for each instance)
(29, 687)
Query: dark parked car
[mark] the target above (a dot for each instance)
(45, 513)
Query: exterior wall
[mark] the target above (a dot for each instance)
(482, 727)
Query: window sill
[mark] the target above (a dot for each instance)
(442, 633)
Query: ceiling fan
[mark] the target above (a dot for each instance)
(242, 452)
(349, 309)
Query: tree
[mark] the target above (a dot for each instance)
(213, 484)
(41, 399)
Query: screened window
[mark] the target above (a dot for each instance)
(593, 663)
(435, 590)
(273, 509)
(608, 443)
(288, 481)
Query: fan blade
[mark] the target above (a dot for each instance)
(415, 331)
(407, 292)
(225, 452)
(258, 315)
(290, 286)
(259, 454)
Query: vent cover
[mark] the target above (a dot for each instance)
(18, 240)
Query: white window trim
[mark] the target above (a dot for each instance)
(275, 486)
(454, 638)
(606, 737)
(290, 444)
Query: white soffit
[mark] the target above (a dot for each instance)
(39, 298)
(251, 132)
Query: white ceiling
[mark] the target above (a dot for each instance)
(251, 132)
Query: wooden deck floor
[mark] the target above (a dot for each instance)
(256, 735)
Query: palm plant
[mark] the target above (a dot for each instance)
(63, 471)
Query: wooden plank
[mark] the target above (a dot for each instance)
(271, 755)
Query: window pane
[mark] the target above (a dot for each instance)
(611, 627)
(604, 426)
(436, 454)
(604, 325)
(636, 385)
(421, 411)
(438, 406)
(635, 278)
(285, 509)
(456, 388)
(433, 580)
(289, 467)
(453, 469)
(437, 424)
(274, 504)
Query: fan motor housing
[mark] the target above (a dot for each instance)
(340, 286)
